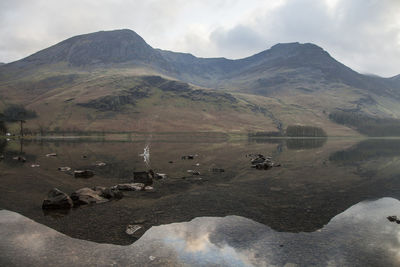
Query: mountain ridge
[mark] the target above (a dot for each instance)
(286, 84)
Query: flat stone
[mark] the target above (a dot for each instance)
(129, 187)
(86, 196)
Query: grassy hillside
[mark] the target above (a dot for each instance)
(114, 81)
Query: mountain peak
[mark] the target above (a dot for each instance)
(101, 47)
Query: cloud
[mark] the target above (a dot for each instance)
(363, 34)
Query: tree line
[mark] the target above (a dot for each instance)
(371, 126)
(292, 131)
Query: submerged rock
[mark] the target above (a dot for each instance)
(64, 169)
(35, 165)
(51, 155)
(261, 162)
(83, 173)
(188, 157)
(264, 166)
(100, 164)
(19, 158)
(159, 176)
(86, 196)
(56, 199)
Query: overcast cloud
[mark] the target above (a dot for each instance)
(363, 34)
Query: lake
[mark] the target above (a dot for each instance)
(326, 205)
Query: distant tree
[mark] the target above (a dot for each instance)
(17, 113)
(3, 126)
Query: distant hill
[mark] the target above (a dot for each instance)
(108, 73)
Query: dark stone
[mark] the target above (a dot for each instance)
(217, 170)
(258, 160)
(57, 199)
(111, 193)
(145, 178)
(392, 218)
(188, 157)
(264, 166)
(83, 173)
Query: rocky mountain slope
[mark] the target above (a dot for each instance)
(100, 81)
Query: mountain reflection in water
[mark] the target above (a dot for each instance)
(360, 236)
(313, 184)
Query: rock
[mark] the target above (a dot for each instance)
(392, 218)
(188, 157)
(83, 173)
(263, 166)
(197, 164)
(84, 157)
(159, 176)
(57, 199)
(35, 165)
(217, 170)
(129, 187)
(111, 193)
(148, 188)
(145, 178)
(257, 161)
(100, 164)
(99, 189)
(86, 196)
(170, 161)
(193, 172)
(19, 158)
(64, 169)
(51, 155)
(132, 228)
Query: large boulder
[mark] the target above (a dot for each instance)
(86, 196)
(56, 199)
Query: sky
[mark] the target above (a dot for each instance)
(363, 34)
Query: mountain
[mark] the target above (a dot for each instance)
(101, 80)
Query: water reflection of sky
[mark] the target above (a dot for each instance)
(360, 236)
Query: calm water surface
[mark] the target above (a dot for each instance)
(292, 210)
